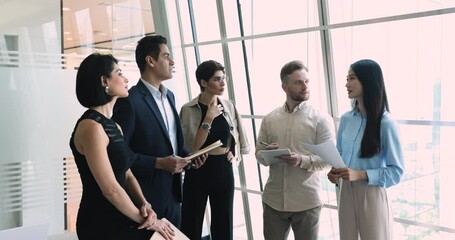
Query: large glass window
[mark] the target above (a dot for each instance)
(414, 54)
(412, 42)
(357, 10)
(254, 80)
(42, 44)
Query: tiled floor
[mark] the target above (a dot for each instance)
(64, 236)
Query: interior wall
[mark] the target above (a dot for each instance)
(38, 112)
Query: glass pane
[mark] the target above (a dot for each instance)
(129, 20)
(206, 20)
(38, 112)
(274, 16)
(183, 15)
(238, 78)
(231, 18)
(106, 27)
(266, 56)
(354, 10)
(328, 224)
(412, 58)
(425, 195)
(255, 205)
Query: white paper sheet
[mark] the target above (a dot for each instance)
(328, 152)
(330, 155)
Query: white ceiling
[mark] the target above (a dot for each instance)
(108, 24)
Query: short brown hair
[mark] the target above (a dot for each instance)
(289, 68)
(206, 70)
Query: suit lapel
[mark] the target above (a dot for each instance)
(148, 98)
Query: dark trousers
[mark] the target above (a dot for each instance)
(215, 181)
(173, 212)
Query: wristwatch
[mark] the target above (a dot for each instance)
(206, 126)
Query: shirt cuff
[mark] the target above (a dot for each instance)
(306, 162)
(373, 177)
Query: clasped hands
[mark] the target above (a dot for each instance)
(347, 174)
(151, 222)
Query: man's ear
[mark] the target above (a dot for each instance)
(284, 87)
(149, 60)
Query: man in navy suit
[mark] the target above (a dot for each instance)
(152, 128)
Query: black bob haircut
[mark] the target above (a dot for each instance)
(90, 91)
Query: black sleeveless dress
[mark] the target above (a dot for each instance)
(97, 218)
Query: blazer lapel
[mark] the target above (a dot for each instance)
(148, 98)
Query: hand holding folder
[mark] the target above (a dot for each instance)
(205, 150)
(273, 156)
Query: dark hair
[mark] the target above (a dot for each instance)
(148, 45)
(370, 75)
(206, 70)
(89, 89)
(289, 68)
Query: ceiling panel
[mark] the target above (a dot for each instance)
(109, 25)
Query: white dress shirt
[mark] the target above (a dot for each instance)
(296, 188)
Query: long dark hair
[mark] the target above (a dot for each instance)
(375, 100)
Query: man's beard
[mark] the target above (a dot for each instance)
(299, 98)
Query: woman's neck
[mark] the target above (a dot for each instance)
(207, 99)
(105, 109)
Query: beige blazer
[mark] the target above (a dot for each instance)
(190, 116)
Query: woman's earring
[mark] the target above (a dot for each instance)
(106, 89)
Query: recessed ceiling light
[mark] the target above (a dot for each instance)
(65, 9)
(69, 39)
(99, 33)
(67, 33)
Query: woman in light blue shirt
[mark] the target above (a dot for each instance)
(369, 144)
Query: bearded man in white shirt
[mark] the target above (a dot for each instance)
(291, 194)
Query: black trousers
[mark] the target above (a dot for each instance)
(215, 181)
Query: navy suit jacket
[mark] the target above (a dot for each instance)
(145, 132)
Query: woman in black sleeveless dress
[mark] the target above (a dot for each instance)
(112, 204)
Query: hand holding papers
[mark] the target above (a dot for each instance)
(328, 153)
(273, 156)
(205, 150)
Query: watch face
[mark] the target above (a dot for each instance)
(205, 126)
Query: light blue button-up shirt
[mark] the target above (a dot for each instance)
(384, 169)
